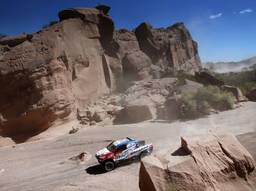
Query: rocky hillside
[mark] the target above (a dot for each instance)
(50, 76)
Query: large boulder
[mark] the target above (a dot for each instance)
(136, 66)
(189, 87)
(212, 163)
(153, 176)
(251, 95)
(153, 93)
(133, 114)
(235, 91)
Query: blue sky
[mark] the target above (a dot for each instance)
(224, 29)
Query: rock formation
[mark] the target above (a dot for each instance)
(235, 91)
(212, 163)
(251, 95)
(207, 79)
(148, 97)
(171, 49)
(48, 76)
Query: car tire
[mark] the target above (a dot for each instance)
(109, 166)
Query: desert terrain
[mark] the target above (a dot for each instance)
(45, 165)
(80, 82)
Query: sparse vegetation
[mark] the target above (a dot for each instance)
(245, 80)
(171, 187)
(193, 105)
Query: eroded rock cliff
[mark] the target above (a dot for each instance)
(212, 163)
(48, 76)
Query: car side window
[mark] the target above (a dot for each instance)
(122, 147)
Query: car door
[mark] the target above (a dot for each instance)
(122, 153)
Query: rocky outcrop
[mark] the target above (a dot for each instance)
(152, 93)
(133, 114)
(103, 110)
(48, 76)
(251, 95)
(236, 92)
(171, 49)
(207, 79)
(189, 87)
(126, 41)
(136, 66)
(144, 100)
(212, 163)
(16, 40)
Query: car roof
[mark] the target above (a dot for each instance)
(123, 141)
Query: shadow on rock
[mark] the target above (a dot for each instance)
(180, 152)
(183, 150)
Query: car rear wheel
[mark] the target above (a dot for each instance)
(109, 166)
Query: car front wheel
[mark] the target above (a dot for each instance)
(109, 166)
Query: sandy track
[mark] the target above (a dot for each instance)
(44, 165)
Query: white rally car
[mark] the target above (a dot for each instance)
(122, 150)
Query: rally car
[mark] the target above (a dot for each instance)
(122, 150)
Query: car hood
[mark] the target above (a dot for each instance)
(103, 152)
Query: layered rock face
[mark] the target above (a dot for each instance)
(44, 79)
(48, 76)
(171, 49)
(212, 163)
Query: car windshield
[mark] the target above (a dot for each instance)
(111, 146)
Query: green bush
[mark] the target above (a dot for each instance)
(193, 105)
(171, 187)
(245, 80)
